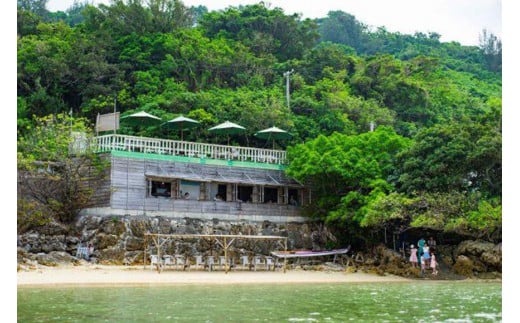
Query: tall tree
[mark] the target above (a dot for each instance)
(266, 31)
(342, 28)
(491, 47)
(38, 7)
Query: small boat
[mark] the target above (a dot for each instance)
(310, 253)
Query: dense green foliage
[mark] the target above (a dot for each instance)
(54, 181)
(436, 106)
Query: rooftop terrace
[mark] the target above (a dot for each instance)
(187, 149)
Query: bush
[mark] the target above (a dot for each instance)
(30, 215)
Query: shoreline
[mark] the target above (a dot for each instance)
(108, 275)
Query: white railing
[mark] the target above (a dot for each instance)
(187, 149)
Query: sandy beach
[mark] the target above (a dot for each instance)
(137, 275)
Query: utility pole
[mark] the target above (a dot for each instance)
(115, 109)
(287, 74)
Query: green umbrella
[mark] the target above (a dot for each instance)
(141, 119)
(181, 123)
(273, 133)
(227, 128)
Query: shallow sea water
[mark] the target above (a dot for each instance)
(417, 301)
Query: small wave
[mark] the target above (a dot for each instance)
(491, 316)
(299, 319)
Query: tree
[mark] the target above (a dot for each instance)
(465, 214)
(463, 157)
(57, 172)
(342, 28)
(264, 31)
(38, 7)
(491, 47)
(124, 17)
(346, 171)
(27, 22)
(327, 55)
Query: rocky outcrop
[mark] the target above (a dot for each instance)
(469, 259)
(478, 259)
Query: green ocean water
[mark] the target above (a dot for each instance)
(419, 301)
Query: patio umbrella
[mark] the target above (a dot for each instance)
(181, 123)
(141, 119)
(273, 133)
(227, 128)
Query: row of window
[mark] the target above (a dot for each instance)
(230, 192)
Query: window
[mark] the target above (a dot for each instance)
(270, 195)
(163, 189)
(221, 192)
(190, 190)
(245, 193)
(293, 197)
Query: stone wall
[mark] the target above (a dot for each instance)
(120, 239)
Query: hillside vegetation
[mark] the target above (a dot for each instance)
(433, 161)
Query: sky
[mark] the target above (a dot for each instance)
(455, 20)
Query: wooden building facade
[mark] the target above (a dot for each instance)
(151, 176)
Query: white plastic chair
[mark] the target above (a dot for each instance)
(154, 260)
(269, 262)
(82, 252)
(199, 262)
(168, 260)
(180, 262)
(258, 262)
(222, 262)
(245, 261)
(210, 262)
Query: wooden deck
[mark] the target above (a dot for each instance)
(158, 146)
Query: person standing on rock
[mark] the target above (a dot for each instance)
(413, 256)
(426, 255)
(433, 264)
(420, 245)
(423, 266)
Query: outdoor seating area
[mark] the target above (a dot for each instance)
(181, 148)
(221, 256)
(187, 149)
(214, 263)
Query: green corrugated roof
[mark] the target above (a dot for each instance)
(197, 160)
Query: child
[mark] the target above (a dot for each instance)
(426, 254)
(423, 266)
(433, 264)
(413, 256)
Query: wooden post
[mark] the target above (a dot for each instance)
(144, 254)
(225, 255)
(158, 245)
(285, 258)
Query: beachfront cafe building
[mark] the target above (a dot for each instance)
(161, 177)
